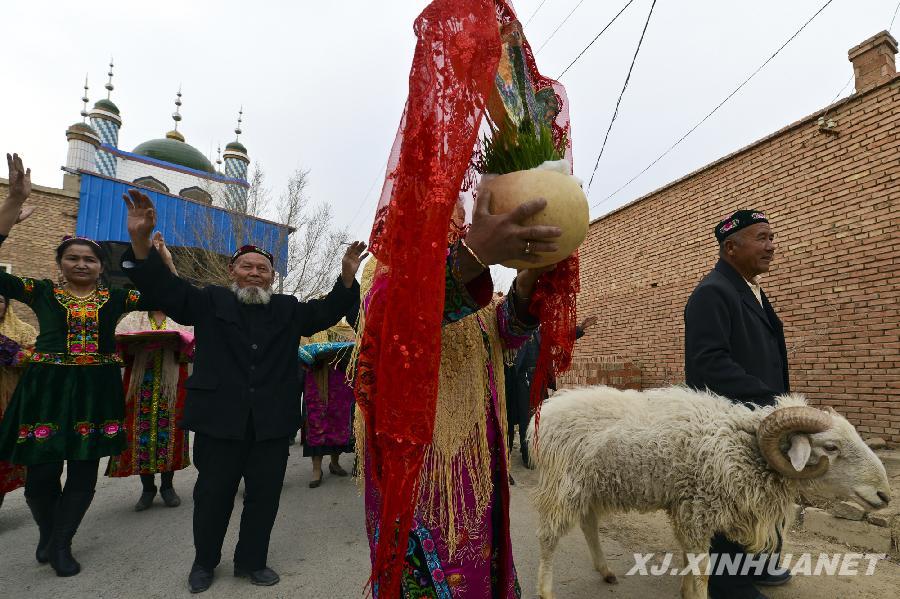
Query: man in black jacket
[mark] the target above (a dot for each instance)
(734, 346)
(242, 396)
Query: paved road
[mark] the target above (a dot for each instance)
(319, 547)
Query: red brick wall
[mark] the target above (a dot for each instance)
(833, 202)
(31, 247)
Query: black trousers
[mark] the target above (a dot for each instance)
(221, 463)
(739, 585)
(42, 480)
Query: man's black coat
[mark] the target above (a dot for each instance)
(245, 362)
(732, 345)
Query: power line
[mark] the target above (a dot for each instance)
(558, 27)
(535, 11)
(714, 110)
(602, 31)
(894, 17)
(622, 93)
(378, 176)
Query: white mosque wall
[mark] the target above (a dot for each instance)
(131, 170)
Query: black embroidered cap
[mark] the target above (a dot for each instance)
(251, 249)
(738, 221)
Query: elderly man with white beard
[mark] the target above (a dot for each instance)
(242, 396)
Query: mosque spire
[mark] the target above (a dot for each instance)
(237, 130)
(109, 84)
(219, 156)
(176, 116)
(84, 99)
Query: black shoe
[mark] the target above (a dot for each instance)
(742, 593)
(69, 511)
(773, 579)
(314, 484)
(512, 481)
(146, 500)
(42, 509)
(170, 497)
(262, 578)
(199, 579)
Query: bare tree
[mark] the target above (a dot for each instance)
(313, 245)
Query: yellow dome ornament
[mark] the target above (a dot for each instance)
(520, 165)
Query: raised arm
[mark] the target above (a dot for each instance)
(13, 209)
(147, 266)
(319, 314)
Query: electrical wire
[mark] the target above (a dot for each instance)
(558, 27)
(535, 11)
(714, 110)
(602, 31)
(622, 93)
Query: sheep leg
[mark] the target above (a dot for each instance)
(548, 543)
(589, 525)
(694, 584)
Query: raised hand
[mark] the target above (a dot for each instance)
(353, 257)
(141, 221)
(12, 210)
(588, 322)
(24, 213)
(163, 250)
(497, 238)
(19, 179)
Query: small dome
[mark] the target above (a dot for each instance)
(108, 106)
(236, 146)
(82, 128)
(172, 149)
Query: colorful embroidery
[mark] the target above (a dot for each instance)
(759, 216)
(76, 360)
(111, 428)
(132, 300)
(85, 429)
(729, 225)
(27, 289)
(83, 319)
(40, 432)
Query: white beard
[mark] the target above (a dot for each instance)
(252, 295)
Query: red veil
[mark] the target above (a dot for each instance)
(453, 78)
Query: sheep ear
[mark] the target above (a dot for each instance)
(799, 451)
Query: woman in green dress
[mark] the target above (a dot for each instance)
(69, 405)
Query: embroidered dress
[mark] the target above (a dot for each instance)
(459, 544)
(327, 399)
(156, 358)
(14, 334)
(69, 404)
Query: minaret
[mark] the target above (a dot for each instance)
(176, 116)
(107, 122)
(83, 144)
(236, 163)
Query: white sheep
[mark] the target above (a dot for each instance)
(712, 465)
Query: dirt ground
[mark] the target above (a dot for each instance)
(319, 547)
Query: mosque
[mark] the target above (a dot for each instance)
(198, 203)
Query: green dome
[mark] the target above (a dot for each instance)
(107, 105)
(237, 147)
(175, 152)
(84, 127)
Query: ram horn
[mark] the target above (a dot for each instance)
(776, 427)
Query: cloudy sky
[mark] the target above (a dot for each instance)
(323, 83)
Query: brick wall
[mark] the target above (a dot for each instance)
(31, 247)
(833, 201)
